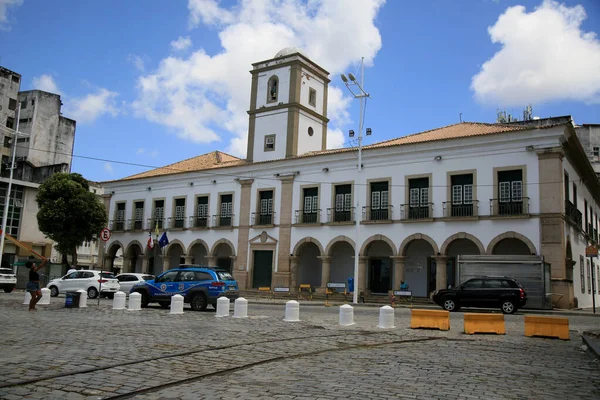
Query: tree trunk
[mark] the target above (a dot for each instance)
(65, 261)
(74, 256)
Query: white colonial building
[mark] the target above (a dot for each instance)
(287, 214)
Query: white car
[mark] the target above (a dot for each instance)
(129, 280)
(8, 279)
(93, 282)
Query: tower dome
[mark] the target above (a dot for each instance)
(287, 51)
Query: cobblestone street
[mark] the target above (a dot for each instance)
(97, 353)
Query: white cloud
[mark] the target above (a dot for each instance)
(4, 6)
(545, 56)
(201, 93)
(137, 62)
(46, 83)
(88, 108)
(182, 43)
(154, 153)
(141, 150)
(108, 168)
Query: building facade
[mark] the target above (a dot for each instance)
(287, 215)
(44, 147)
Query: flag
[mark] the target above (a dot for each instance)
(150, 240)
(164, 240)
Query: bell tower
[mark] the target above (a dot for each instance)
(288, 107)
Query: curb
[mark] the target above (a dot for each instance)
(593, 343)
(281, 302)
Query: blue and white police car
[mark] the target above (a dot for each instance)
(199, 286)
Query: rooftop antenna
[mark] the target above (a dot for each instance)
(460, 117)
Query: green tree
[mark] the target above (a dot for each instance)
(69, 213)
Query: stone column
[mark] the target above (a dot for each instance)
(283, 275)
(325, 270)
(211, 261)
(189, 259)
(294, 272)
(441, 264)
(145, 266)
(399, 264)
(127, 264)
(233, 263)
(362, 274)
(239, 269)
(166, 264)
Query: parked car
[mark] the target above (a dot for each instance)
(199, 287)
(8, 279)
(94, 282)
(485, 292)
(129, 280)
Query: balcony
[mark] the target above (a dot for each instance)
(175, 223)
(573, 215)
(151, 223)
(415, 213)
(263, 219)
(345, 215)
(461, 210)
(373, 214)
(135, 224)
(309, 217)
(116, 225)
(198, 221)
(222, 221)
(509, 208)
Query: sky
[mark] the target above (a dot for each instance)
(154, 82)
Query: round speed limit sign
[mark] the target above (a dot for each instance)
(105, 234)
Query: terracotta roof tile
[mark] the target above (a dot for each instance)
(215, 159)
(218, 159)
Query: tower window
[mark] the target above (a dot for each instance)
(269, 142)
(310, 131)
(596, 151)
(273, 89)
(312, 97)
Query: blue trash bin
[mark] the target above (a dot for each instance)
(350, 285)
(72, 299)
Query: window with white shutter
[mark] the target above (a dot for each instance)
(504, 188)
(517, 191)
(385, 197)
(414, 197)
(347, 202)
(315, 204)
(424, 197)
(308, 204)
(457, 194)
(375, 200)
(468, 194)
(339, 202)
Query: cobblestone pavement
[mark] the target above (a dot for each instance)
(98, 353)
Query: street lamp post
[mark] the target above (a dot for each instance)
(361, 95)
(10, 179)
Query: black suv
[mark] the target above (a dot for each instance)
(485, 292)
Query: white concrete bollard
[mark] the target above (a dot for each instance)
(222, 307)
(119, 301)
(346, 315)
(292, 311)
(135, 302)
(176, 304)
(27, 297)
(82, 298)
(45, 300)
(240, 309)
(386, 317)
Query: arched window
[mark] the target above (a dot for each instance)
(273, 89)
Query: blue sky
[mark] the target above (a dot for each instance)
(153, 82)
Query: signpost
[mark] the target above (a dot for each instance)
(592, 252)
(104, 235)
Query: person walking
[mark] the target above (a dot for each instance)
(33, 286)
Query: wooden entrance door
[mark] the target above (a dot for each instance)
(262, 268)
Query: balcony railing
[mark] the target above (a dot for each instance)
(117, 225)
(152, 222)
(452, 210)
(345, 215)
(224, 220)
(509, 208)
(263, 219)
(573, 214)
(135, 224)
(175, 222)
(377, 213)
(308, 217)
(198, 221)
(414, 212)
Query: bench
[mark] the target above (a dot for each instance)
(335, 289)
